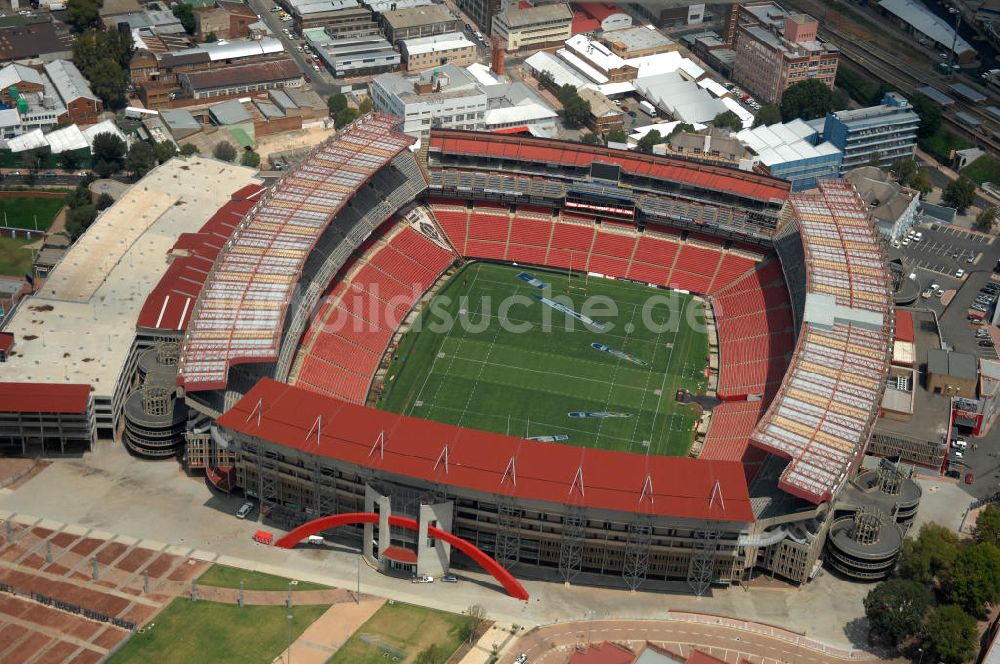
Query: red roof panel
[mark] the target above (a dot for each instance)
(904, 326)
(6, 341)
(482, 461)
(44, 398)
(749, 185)
(400, 555)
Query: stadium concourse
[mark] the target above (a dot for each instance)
(279, 396)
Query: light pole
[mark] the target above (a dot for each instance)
(921, 651)
(954, 40)
(290, 616)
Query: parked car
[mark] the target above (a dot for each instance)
(449, 578)
(971, 259)
(956, 454)
(244, 510)
(927, 293)
(953, 474)
(423, 579)
(970, 478)
(960, 444)
(521, 659)
(985, 343)
(959, 273)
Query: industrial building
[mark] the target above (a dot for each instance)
(637, 42)
(932, 30)
(354, 56)
(423, 21)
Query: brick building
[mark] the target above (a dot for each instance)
(776, 49)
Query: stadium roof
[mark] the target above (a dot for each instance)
(79, 326)
(43, 398)
(520, 148)
(171, 303)
(822, 416)
(241, 310)
(488, 462)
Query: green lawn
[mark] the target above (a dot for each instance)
(222, 576)
(23, 212)
(404, 631)
(940, 144)
(984, 169)
(14, 258)
(187, 632)
(477, 373)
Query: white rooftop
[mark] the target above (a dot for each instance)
(594, 51)
(680, 97)
(67, 139)
(436, 43)
(784, 142)
(925, 22)
(104, 127)
(79, 327)
(562, 73)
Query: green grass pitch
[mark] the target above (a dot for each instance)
(480, 374)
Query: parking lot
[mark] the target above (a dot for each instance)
(944, 249)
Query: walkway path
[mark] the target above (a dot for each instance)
(327, 635)
(728, 639)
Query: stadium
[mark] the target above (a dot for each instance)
(294, 339)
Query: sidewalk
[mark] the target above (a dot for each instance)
(327, 635)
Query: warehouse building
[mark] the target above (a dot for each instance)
(638, 41)
(423, 21)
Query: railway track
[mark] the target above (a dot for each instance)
(891, 71)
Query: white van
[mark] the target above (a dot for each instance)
(315, 539)
(647, 108)
(959, 444)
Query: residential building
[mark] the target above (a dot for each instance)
(597, 17)
(882, 133)
(892, 207)
(419, 22)
(426, 52)
(604, 115)
(776, 49)
(637, 42)
(241, 79)
(533, 27)
(793, 151)
(354, 56)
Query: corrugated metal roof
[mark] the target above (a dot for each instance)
(926, 23)
(492, 463)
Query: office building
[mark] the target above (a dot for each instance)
(533, 27)
(792, 151)
(776, 49)
(882, 133)
(419, 22)
(427, 52)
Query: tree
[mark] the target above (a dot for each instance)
(727, 120)
(250, 158)
(985, 220)
(432, 654)
(959, 194)
(546, 80)
(366, 106)
(678, 128)
(104, 201)
(189, 149)
(336, 103)
(79, 219)
(591, 138)
(808, 100)
(647, 142)
(929, 554)
(82, 13)
(211, 37)
(109, 149)
(973, 580)
(225, 151)
(950, 635)
(921, 181)
(164, 150)
(905, 169)
(69, 160)
(929, 112)
(477, 616)
(185, 14)
(102, 56)
(141, 159)
(107, 80)
(616, 136)
(896, 609)
(345, 117)
(768, 114)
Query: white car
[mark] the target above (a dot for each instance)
(957, 454)
(959, 273)
(244, 510)
(521, 659)
(423, 579)
(960, 444)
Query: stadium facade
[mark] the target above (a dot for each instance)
(276, 399)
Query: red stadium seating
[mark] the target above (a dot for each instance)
(345, 341)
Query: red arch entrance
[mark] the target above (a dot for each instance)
(506, 579)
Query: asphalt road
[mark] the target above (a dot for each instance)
(321, 81)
